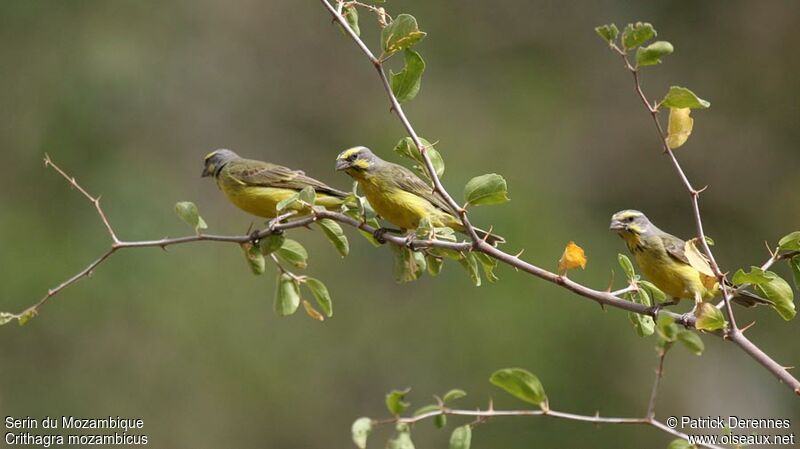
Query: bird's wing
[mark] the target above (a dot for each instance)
(675, 247)
(406, 180)
(259, 173)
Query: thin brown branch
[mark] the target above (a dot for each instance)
(602, 297)
(651, 405)
(694, 194)
(733, 334)
(92, 199)
(595, 419)
(398, 109)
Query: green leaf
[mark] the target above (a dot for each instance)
(307, 195)
(652, 54)
(6, 318)
(335, 235)
(293, 253)
(360, 430)
(187, 210)
(402, 33)
(637, 34)
(405, 84)
(402, 439)
(692, 341)
(26, 316)
(780, 293)
(320, 292)
(470, 263)
(286, 202)
(667, 329)
(350, 14)
(790, 242)
(627, 266)
(287, 296)
(488, 264)
(426, 409)
(434, 264)
(408, 265)
(680, 443)
(407, 148)
(521, 384)
(255, 259)
(653, 291)
(794, 264)
(486, 189)
(440, 421)
(271, 243)
(453, 394)
(755, 276)
(608, 32)
(709, 318)
(395, 401)
(772, 286)
(644, 325)
(681, 97)
(461, 438)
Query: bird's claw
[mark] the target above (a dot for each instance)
(653, 310)
(378, 235)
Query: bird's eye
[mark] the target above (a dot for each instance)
(352, 157)
(629, 219)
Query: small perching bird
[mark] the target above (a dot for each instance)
(400, 196)
(663, 259)
(257, 187)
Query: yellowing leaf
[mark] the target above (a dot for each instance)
(572, 258)
(699, 262)
(312, 312)
(680, 127)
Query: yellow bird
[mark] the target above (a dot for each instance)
(257, 187)
(663, 260)
(398, 195)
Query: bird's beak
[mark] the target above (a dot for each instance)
(342, 164)
(205, 173)
(616, 225)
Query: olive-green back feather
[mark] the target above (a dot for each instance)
(406, 180)
(259, 173)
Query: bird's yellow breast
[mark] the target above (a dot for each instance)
(401, 208)
(260, 201)
(673, 277)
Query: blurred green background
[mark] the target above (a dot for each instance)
(128, 96)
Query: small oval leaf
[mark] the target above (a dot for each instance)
(681, 97)
(361, 429)
(692, 341)
(287, 296)
(486, 189)
(461, 438)
(335, 235)
(188, 212)
(294, 253)
(521, 384)
(320, 292)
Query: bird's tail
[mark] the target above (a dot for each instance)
(748, 299)
(492, 239)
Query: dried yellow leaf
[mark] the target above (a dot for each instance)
(699, 262)
(312, 312)
(573, 257)
(680, 127)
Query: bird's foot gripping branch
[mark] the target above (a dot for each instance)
(433, 237)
